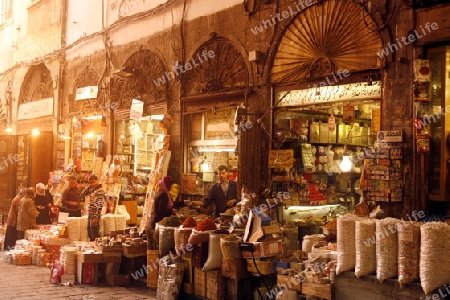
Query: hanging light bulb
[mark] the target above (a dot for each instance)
(205, 166)
(346, 164)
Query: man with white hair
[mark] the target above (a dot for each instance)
(43, 201)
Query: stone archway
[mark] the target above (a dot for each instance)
(145, 68)
(37, 84)
(224, 69)
(324, 38)
(88, 77)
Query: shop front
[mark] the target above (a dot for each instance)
(87, 124)
(212, 136)
(327, 99)
(34, 131)
(140, 128)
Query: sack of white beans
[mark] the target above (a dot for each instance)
(434, 251)
(365, 242)
(386, 249)
(346, 243)
(408, 252)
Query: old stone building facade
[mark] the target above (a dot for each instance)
(235, 53)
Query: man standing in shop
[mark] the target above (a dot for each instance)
(70, 198)
(96, 201)
(223, 194)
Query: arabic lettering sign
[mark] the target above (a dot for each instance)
(87, 92)
(35, 109)
(281, 158)
(332, 93)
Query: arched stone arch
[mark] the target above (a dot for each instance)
(37, 84)
(226, 70)
(88, 77)
(145, 69)
(327, 36)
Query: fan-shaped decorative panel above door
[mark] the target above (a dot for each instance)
(88, 77)
(218, 66)
(37, 84)
(326, 37)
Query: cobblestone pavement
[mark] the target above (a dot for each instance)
(32, 283)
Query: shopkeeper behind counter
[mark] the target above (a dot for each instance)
(223, 194)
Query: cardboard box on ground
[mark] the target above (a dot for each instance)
(264, 234)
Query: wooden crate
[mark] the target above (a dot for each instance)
(199, 255)
(325, 291)
(215, 283)
(132, 251)
(199, 282)
(234, 268)
(290, 282)
(89, 257)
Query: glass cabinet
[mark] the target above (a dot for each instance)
(439, 124)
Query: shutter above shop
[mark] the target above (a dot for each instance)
(327, 37)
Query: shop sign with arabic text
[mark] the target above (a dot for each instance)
(332, 93)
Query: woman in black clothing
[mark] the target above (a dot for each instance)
(163, 204)
(43, 201)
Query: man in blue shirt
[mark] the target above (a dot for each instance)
(223, 194)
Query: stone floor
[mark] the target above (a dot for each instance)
(32, 283)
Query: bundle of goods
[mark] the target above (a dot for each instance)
(434, 249)
(290, 236)
(200, 234)
(346, 243)
(134, 247)
(214, 259)
(84, 229)
(182, 234)
(74, 228)
(310, 240)
(365, 247)
(408, 252)
(386, 248)
(170, 278)
(165, 234)
(229, 245)
(330, 228)
(68, 259)
(35, 251)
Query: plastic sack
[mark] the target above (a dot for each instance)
(170, 279)
(346, 251)
(434, 249)
(181, 239)
(214, 260)
(408, 252)
(166, 239)
(387, 248)
(365, 247)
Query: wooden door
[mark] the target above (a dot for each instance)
(41, 157)
(8, 159)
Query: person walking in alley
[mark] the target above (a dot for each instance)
(27, 213)
(11, 221)
(96, 201)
